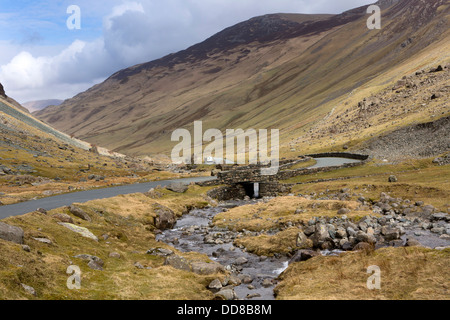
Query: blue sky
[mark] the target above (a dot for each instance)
(40, 58)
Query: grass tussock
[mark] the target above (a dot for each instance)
(120, 225)
(406, 273)
(280, 210)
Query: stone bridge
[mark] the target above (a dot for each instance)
(248, 181)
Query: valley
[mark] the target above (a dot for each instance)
(363, 176)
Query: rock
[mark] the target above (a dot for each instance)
(215, 285)
(321, 235)
(267, 283)
(226, 294)
(303, 255)
(177, 187)
(363, 246)
(253, 295)
(165, 218)
(240, 261)
(303, 242)
(29, 289)
(232, 280)
(392, 178)
(81, 230)
(43, 240)
(440, 216)
(205, 268)
(177, 262)
(343, 211)
(412, 243)
(138, 265)
(160, 252)
(94, 262)
(40, 210)
(63, 217)
(445, 237)
(26, 248)
(78, 212)
(390, 233)
(114, 255)
(11, 233)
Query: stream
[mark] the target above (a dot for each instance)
(195, 232)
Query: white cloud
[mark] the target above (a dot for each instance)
(135, 32)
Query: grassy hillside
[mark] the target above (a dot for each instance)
(298, 83)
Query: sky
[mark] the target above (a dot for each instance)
(42, 58)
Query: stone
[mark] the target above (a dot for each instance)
(321, 235)
(63, 217)
(390, 233)
(160, 252)
(40, 210)
(26, 248)
(232, 280)
(440, 216)
(80, 230)
(412, 243)
(29, 289)
(267, 283)
(138, 265)
(178, 262)
(392, 178)
(343, 211)
(177, 187)
(226, 294)
(215, 285)
(80, 213)
(303, 255)
(94, 262)
(11, 233)
(205, 268)
(363, 246)
(43, 240)
(240, 261)
(114, 255)
(165, 217)
(303, 242)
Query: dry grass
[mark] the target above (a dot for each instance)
(280, 210)
(265, 245)
(44, 268)
(406, 273)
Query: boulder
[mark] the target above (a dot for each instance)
(63, 217)
(226, 294)
(303, 255)
(95, 263)
(205, 268)
(11, 233)
(390, 234)
(321, 235)
(215, 285)
(78, 212)
(160, 252)
(392, 178)
(177, 262)
(363, 246)
(303, 242)
(177, 187)
(80, 230)
(165, 218)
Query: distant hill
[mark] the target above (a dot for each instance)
(33, 106)
(302, 74)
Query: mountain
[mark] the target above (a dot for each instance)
(302, 74)
(41, 104)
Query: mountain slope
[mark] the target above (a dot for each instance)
(288, 72)
(41, 104)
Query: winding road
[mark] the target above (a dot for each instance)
(84, 196)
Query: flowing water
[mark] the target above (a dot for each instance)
(192, 229)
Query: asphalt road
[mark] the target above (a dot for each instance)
(84, 196)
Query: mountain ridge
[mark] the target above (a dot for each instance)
(257, 84)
